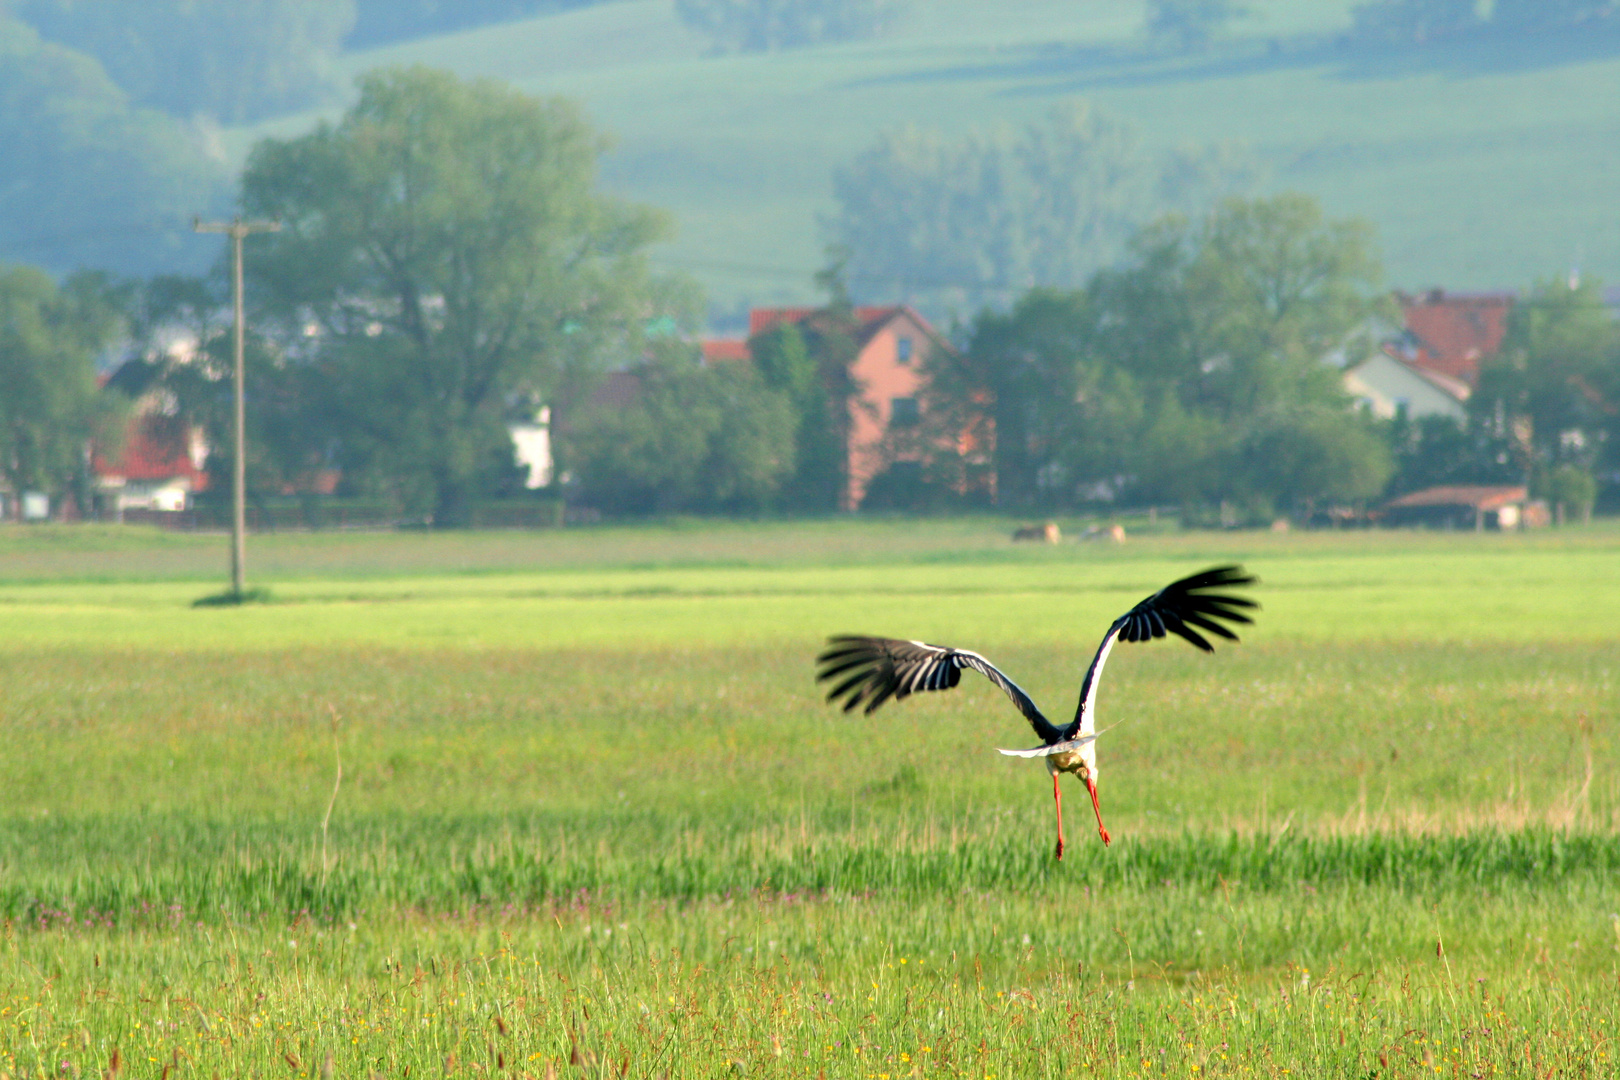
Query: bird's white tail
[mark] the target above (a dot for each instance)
(1064, 747)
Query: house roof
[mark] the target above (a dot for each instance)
(722, 349)
(1446, 384)
(1474, 496)
(762, 319)
(871, 320)
(1450, 333)
(155, 449)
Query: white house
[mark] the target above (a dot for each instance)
(1386, 385)
(531, 444)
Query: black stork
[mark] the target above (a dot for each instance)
(871, 670)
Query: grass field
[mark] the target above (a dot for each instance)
(742, 148)
(593, 818)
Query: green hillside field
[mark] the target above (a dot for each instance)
(568, 803)
(1484, 164)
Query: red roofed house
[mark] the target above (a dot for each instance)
(719, 350)
(1430, 369)
(161, 463)
(160, 467)
(1450, 333)
(892, 345)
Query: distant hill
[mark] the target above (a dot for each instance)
(1484, 163)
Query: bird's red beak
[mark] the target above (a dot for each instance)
(1091, 786)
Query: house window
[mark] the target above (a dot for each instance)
(902, 412)
(902, 350)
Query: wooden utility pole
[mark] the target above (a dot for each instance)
(236, 229)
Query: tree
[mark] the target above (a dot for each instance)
(768, 25)
(953, 223)
(691, 438)
(237, 62)
(790, 362)
(1190, 24)
(1404, 22)
(86, 179)
(1193, 373)
(1062, 417)
(1551, 394)
(50, 406)
(1572, 491)
(443, 254)
(1518, 16)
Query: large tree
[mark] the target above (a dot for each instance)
(690, 438)
(50, 406)
(1550, 397)
(1193, 373)
(444, 257)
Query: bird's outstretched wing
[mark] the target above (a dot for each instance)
(1182, 608)
(871, 670)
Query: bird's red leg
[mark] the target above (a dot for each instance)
(1091, 786)
(1057, 797)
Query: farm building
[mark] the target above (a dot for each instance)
(1465, 506)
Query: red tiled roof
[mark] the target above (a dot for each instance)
(1454, 332)
(718, 349)
(762, 319)
(155, 448)
(1478, 496)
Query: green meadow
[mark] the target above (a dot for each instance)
(568, 803)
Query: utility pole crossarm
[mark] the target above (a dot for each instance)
(237, 229)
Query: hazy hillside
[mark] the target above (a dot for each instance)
(1484, 163)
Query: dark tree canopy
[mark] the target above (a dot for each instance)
(1190, 24)
(1192, 374)
(445, 258)
(766, 25)
(1551, 394)
(1414, 21)
(50, 405)
(690, 438)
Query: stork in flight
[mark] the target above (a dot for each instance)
(871, 670)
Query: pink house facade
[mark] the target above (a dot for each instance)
(893, 346)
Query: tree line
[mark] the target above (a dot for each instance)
(447, 266)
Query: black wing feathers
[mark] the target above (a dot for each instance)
(867, 671)
(1185, 607)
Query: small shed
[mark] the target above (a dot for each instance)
(1468, 506)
